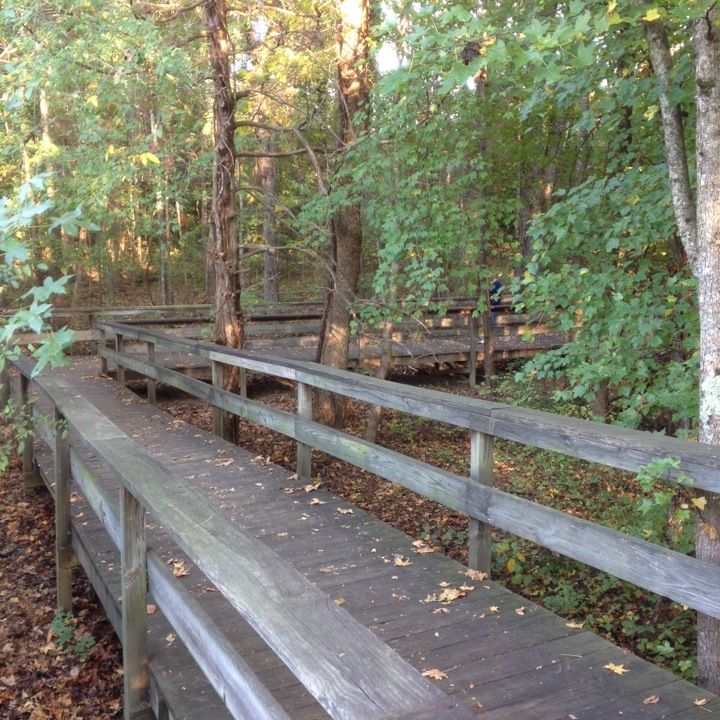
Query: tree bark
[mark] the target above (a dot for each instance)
(706, 40)
(673, 131)
(266, 167)
(353, 83)
(223, 240)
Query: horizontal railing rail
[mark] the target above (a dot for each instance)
(681, 578)
(616, 447)
(350, 671)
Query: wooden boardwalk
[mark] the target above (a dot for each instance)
(501, 655)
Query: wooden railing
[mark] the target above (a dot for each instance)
(684, 579)
(349, 670)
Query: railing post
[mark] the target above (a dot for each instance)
(119, 347)
(31, 477)
(242, 380)
(472, 360)
(63, 528)
(151, 383)
(4, 383)
(303, 465)
(102, 343)
(134, 608)
(218, 375)
(481, 471)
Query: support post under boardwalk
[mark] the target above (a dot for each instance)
(218, 374)
(119, 347)
(4, 384)
(303, 466)
(64, 559)
(134, 607)
(151, 382)
(102, 343)
(31, 476)
(472, 359)
(481, 471)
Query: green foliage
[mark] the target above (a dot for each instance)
(17, 217)
(69, 638)
(665, 512)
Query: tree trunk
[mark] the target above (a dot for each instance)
(223, 240)
(353, 79)
(706, 41)
(675, 152)
(268, 181)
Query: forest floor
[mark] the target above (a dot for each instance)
(63, 669)
(51, 667)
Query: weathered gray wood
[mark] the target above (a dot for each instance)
(134, 602)
(151, 384)
(481, 471)
(243, 694)
(63, 526)
(350, 671)
(218, 375)
(102, 343)
(242, 382)
(647, 565)
(607, 444)
(614, 446)
(472, 362)
(4, 384)
(119, 348)
(681, 578)
(31, 478)
(303, 466)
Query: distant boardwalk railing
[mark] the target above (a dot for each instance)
(679, 577)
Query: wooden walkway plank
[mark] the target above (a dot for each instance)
(489, 660)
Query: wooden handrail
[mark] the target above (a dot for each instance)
(348, 669)
(609, 445)
(684, 579)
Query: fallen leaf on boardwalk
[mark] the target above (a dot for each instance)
(617, 669)
(339, 601)
(701, 702)
(345, 511)
(179, 568)
(329, 570)
(466, 588)
(311, 487)
(448, 595)
(440, 610)
(476, 575)
(651, 700)
(435, 674)
(418, 543)
(699, 502)
(425, 550)
(317, 501)
(520, 611)
(170, 639)
(431, 598)
(401, 561)
(224, 463)
(444, 584)
(575, 625)
(494, 609)
(151, 609)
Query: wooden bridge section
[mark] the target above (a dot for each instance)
(275, 599)
(450, 339)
